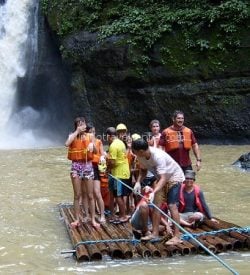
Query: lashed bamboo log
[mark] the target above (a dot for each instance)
(114, 250)
(143, 250)
(111, 234)
(123, 232)
(94, 235)
(185, 250)
(163, 250)
(127, 250)
(81, 251)
(242, 238)
(203, 241)
(226, 224)
(237, 244)
(154, 250)
(211, 239)
(192, 248)
(173, 250)
(226, 245)
(94, 252)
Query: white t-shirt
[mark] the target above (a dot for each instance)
(161, 163)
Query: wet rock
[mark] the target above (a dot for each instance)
(243, 162)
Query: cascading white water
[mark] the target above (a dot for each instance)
(13, 38)
(18, 49)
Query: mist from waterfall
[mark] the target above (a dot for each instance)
(19, 127)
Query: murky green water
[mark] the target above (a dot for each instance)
(34, 182)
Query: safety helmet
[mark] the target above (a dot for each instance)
(135, 137)
(121, 127)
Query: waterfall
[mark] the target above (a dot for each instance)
(22, 125)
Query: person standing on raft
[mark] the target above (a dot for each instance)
(169, 178)
(80, 152)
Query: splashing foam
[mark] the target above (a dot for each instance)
(18, 130)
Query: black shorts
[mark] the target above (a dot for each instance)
(96, 172)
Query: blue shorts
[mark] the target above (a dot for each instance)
(117, 188)
(173, 194)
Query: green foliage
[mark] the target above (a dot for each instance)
(194, 27)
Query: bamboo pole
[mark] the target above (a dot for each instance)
(203, 241)
(143, 250)
(118, 248)
(154, 250)
(185, 250)
(226, 244)
(173, 249)
(81, 252)
(237, 244)
(239, 236)
(94, 234)
(127, 251)
(164, 251)
(94, 252)
(193, 249)
(114, 250)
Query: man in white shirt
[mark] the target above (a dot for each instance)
(169, 178)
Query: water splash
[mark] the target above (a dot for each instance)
(18, 54)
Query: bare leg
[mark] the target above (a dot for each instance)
(99, 200)
(76, 183)
(176, 217)
(91, 201)
(85, 202)
(122, 211)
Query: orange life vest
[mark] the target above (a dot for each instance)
(97, 155)
(172, 139)
(78, 149)
(182, 202)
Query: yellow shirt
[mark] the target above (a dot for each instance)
(117, 152)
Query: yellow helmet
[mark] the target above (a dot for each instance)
(121, 127)
(135, 137)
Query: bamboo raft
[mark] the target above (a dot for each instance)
(117, 242)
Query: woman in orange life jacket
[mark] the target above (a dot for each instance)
(80, 152)
(98, 157)
(192, 205)
(155, 128)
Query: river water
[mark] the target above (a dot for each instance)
(35, 181)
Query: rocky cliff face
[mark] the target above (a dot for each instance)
(107, 90)
(205, 72)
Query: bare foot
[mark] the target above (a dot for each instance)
(175, 240)
(102, 220)
(75, 224)
(149, 237)
(95, 224)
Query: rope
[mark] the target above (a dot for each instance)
(131, 241)
(186, 237)
(182, 229)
